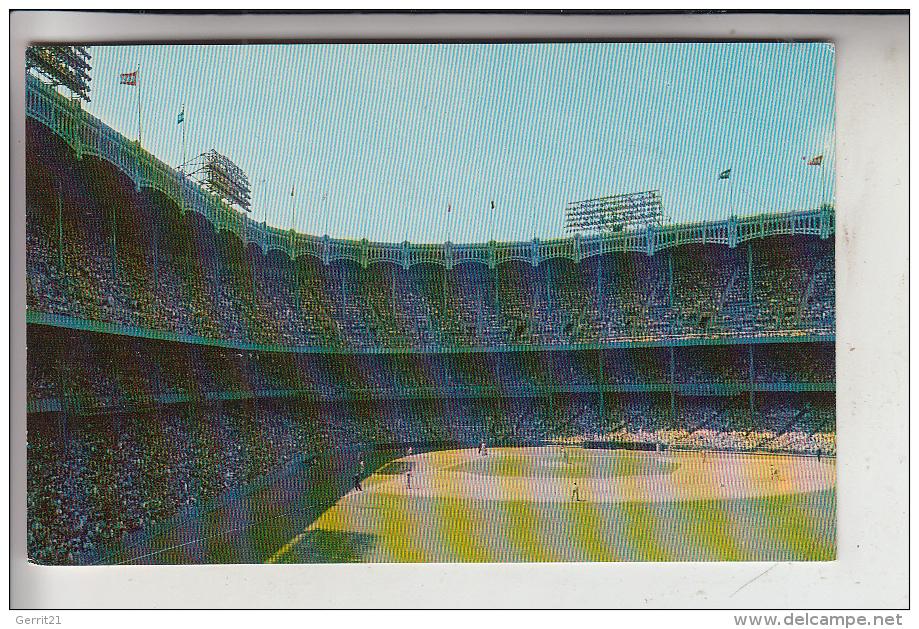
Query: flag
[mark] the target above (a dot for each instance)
(129, 79)
(291, 191)
(816, 161)
(492, 205)
(725, 174)
(448, 207)
(181, 115)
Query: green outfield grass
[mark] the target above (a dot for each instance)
(796, 527)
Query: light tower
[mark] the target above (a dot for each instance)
(222, 177)
(62, 65)
(615, 213)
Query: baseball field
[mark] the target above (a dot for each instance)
(571, 504)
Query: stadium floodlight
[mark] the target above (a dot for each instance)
(222, 177)
(63, 65)
(614, 213)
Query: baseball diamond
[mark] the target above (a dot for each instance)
(517, 505)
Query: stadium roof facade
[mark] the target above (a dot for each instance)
(87, 135)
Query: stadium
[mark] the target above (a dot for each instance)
(204, 388)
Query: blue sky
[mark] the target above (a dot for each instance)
(378, 140)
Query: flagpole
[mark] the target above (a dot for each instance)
(731, 196)
(139, 137)
(826, 150)
(183, 136)
(823, 175)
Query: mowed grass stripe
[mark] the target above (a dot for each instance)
(777, 528)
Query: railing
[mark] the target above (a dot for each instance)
(87, 135)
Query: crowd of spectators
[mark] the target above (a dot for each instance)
(786, 362)
(102, 370)
(648, 367)
(111, 253)
(339, 307)
(725, 364)
(703, 280)
(93, 478)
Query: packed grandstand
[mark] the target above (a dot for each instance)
(170, 361)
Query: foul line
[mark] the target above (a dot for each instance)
(194, 541)
(287, 547)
